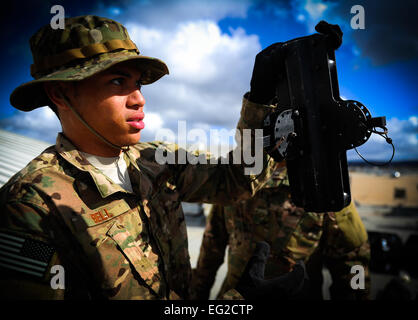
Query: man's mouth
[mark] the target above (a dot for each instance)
(136, 122)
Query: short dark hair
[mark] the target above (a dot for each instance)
(52, 105)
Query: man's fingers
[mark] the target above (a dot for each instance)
(321, 26)
(265, 73)
(249, 283)
(291, 283)
(327, 28)
(257, 263)
(270, 54)
(299, 274)
(272, 48)
(262, 250)
(333, 31)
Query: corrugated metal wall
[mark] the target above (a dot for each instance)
(15, 153)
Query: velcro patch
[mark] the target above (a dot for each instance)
(25, 255)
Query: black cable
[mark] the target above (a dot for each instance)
(388, 140)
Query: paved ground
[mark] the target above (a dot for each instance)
(195, 238)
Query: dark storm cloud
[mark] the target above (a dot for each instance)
(391, 28)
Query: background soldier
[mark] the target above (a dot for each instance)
(338, 240)
(97, 202)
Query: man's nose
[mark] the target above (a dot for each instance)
(136, 99)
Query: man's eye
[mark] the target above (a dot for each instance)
(117, 81)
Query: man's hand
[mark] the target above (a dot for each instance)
(253, 286)
(333, 33)
(266, 74)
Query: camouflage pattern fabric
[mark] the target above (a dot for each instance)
(293, 234)
(114, 244)
(232, 295)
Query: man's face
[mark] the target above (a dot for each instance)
(111, 102)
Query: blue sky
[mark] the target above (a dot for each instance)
(376, 66)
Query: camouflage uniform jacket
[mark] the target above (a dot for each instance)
(337, 239)
(111, 243)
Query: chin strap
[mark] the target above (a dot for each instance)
(110, 144)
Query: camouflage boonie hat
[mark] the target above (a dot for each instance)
(87, 45)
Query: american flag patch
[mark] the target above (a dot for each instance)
(25, 255)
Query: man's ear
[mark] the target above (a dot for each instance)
(54, 92)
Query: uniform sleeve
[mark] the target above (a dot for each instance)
(232, 294)
(228, 183)
(346, 246)
(211, 256)
(37, 259)
(27, 255)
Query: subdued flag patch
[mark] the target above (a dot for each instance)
(25, 255)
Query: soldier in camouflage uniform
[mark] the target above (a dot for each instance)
(115, 240)
(338, 240)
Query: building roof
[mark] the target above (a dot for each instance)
(16, 151)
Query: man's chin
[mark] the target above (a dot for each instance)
(132, 139)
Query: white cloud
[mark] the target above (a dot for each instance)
(166, 14)
(40, 124)
(414, 120)
(404, 134)
(153, 122)
(313, 11)
(315, 8)
(197, 52)
(209, 73)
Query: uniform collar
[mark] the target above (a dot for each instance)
(69, 152)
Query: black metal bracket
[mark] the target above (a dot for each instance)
(313, 127)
